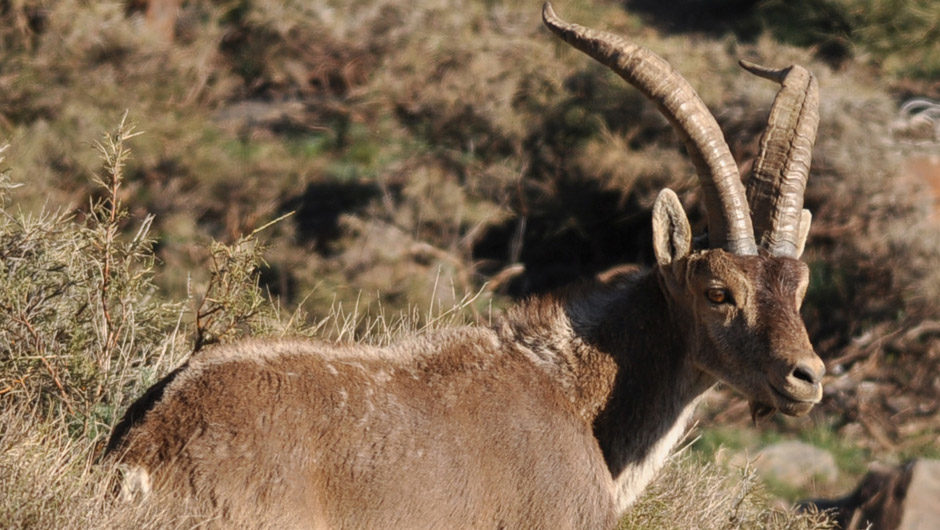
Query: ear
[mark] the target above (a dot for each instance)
(672, 236)
(806, 218)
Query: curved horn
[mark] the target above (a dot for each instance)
(778, 179)
(729, 222)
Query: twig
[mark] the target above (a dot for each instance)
(41, 352)
(9, 388)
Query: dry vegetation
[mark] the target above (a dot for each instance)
(722, 499)
(425, 150)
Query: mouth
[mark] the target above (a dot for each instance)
(784, 402)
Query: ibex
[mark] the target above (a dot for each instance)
(556, 416)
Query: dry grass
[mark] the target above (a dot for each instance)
(716, 498)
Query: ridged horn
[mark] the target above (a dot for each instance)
(777, 181)
(729, 222)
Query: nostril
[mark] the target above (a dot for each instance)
(804, 372)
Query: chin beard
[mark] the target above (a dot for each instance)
(760, 411)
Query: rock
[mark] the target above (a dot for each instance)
(905, 497)
(255, 113)
(852, 431)
(922, 503)
(796, 464)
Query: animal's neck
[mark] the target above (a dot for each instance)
(622, 357)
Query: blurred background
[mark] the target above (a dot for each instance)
(438, 153)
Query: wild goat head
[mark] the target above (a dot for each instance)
(741, 293)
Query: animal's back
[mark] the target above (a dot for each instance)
(444, 431)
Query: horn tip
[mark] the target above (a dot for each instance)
(773, 74)
(558, 26)
(548, 14)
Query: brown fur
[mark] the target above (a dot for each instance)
(557, 416)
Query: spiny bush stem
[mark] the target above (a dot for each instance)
(115, 154)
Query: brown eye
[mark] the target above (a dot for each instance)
(716, 295)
